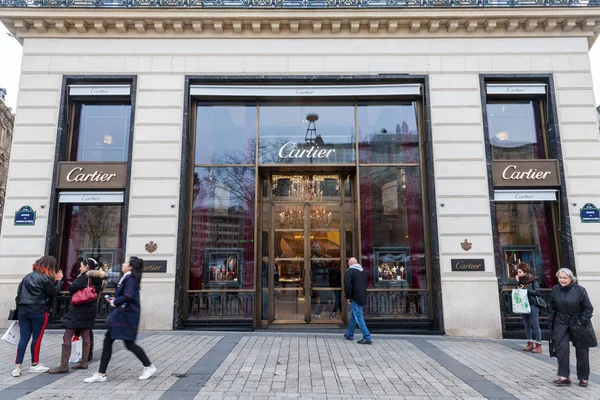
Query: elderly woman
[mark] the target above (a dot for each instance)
(570, 319)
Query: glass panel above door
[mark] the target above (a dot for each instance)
(299, 133)
(302, 188)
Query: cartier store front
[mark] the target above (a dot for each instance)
(287, 183)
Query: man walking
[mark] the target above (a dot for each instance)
(355, 288)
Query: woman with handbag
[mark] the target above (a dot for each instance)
(570, 320)
(124, 319)
(82, 313)
(531, 320)
(33, 299)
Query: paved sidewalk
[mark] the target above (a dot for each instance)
(281, 365)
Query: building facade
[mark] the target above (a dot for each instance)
(247, 152)
(7, 120)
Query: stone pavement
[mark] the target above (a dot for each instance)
(287, 365)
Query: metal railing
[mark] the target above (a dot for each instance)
(220, 306)
(295, 4)
(62, 303)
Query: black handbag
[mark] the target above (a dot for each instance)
(13, 315)
(552, 347)
(540, 302)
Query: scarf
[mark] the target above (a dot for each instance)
(526, 279)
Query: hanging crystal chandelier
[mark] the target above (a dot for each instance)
(293, 217)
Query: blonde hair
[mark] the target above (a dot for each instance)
(567, 272)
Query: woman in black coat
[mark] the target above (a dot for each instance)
(570, 319)
(80, 317)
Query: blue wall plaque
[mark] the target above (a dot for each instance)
(590, 213)
(25, 216)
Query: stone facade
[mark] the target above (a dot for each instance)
(7, 119)
(330, 42)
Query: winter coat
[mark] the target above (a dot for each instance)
(355, 284)
(124, 319)
(83, 316)
(571, 310)
(35, 293)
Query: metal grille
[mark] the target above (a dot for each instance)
(221, 305)
(396, 304)
(62, 303)
(315, 4)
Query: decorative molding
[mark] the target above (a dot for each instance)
(430, 22)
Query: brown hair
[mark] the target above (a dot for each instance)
(46, 265)
(523, 267)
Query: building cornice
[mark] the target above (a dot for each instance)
(327, 23)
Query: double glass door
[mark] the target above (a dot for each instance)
(311, 229)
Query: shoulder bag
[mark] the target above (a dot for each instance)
(85, 295)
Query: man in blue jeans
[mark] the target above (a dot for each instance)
(355, 288)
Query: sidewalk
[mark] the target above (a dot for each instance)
(282, 365)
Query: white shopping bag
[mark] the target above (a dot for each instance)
(12, 334)
(520, 301)
(76, 349)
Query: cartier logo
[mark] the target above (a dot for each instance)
(511, 172)
(465, 265)
(514, 89)
(76, 175)
(98, 91)
(91, 175)
(291, 150)
(304, 91)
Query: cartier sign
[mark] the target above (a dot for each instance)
(292, 150)
(84, 175)
(466, 265)
(526, 173)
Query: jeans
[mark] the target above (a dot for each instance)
(356, 317)
(532, 322)
(564, 364)
(31, 324)
(131, 346)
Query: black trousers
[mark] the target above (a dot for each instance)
(564, 364)
(131, 346)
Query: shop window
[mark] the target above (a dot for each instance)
(388, 134)
(101, 132)
(392, 227)
(92, 231)
(222, 228)
(299, 133)
(225, 134)
(514, 130)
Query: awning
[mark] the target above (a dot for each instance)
(90, 197)
(412, 89)
(525, 195)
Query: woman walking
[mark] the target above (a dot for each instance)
(570, 319)
(33, 298)
(124, 320)
(81, 316)
(532, 320)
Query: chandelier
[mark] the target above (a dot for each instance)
(293, 217)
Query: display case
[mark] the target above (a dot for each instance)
(223, 268)
(392, 267)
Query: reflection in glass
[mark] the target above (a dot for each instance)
(304, 188)
(525, 232)
(222, 227)
(225, 134)
(92, 231)
(514, 130)
(101, 132)
(392, 226)
(326, 275)
(306, 134)
(388, 133)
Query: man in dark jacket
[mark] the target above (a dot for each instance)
(355, 286)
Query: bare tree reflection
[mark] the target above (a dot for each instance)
(96, 222)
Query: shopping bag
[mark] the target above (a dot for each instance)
(12, 334)
(520, 302)
(76, 349)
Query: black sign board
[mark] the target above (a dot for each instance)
(155, 266)
(468, 264)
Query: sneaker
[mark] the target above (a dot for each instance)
(365, 341)
(16, 372)
(95, 378)
(147, 372)
(38, 368)
(317, 315)
(332, 315)
(348, 337)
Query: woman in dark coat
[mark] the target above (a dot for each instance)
(570, 319)
(80, 317)
(123, 321)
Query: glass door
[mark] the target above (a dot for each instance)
(307, 222)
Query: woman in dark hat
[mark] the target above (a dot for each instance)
(81, 317)
(124, 320)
